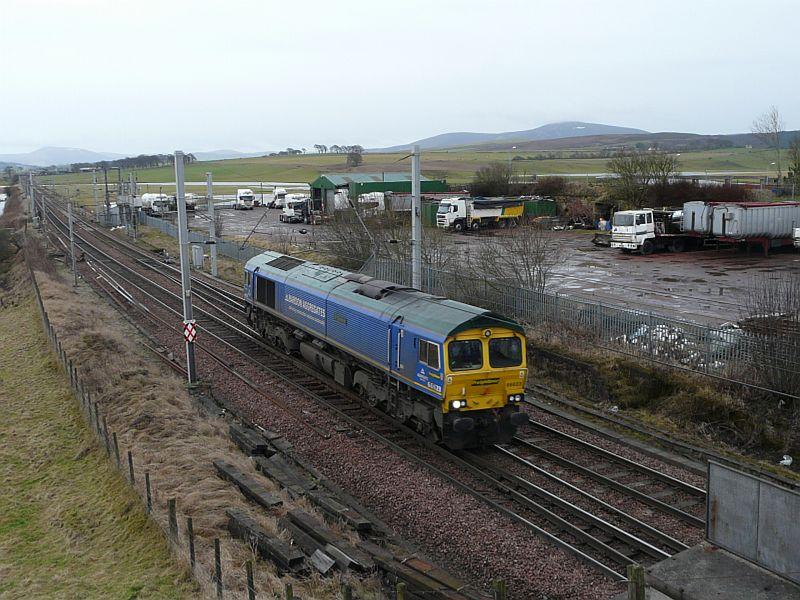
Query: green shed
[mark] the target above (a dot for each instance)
(540, 208)
(325, 186)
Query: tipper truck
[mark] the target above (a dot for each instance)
(460, 214)
(767, 224)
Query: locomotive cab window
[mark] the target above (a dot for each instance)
(464, 355)
(429, 354)
(505, 352)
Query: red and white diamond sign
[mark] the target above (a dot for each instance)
(189, 330)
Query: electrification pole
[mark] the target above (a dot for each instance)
(108, 201)
(186, 275)
(212, 233)
(72, 243)
(416, 222)
(94, 195)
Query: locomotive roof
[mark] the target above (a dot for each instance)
(440, 316)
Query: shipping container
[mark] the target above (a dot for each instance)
(772, 220)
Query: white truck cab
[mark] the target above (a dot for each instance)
(244, 199)
(295, 210)
(646, 230)
(278, 198)
(631, 228)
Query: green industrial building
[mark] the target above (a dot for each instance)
(325, 187)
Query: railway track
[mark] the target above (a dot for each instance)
(608, 545)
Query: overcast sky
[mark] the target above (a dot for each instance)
(160, 75)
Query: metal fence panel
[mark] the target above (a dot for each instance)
(732, 509)
(755, 519)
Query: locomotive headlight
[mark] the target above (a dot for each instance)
(515, 397)
(449, 379)
(456, 404)
(522, 374)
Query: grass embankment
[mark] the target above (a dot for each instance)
(70, 527)
(739, 423)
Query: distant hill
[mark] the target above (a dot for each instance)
(226, 154)
(566, 129)
(665, 140)
(52, 155)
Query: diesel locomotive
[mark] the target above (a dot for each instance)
(453, 372)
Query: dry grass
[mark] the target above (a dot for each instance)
(691, 406)
(154, 416)
(69, 526)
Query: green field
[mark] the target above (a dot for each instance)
(70, 527)
(457, 166)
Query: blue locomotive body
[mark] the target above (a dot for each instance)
(384, 340)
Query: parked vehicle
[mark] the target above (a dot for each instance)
(769, 224)
(297, 210)
(191, 201)
(647, 230)
(278, 198)
(157, 203)
(460, 214)
(244, 199)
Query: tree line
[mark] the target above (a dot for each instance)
(143, 161)
(336, 149)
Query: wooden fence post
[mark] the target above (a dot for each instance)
(217, 568)
(190, 532)
(130, 467)
(147, 491)
(116, 447)
(173, 519)
(636, 588)
(97, 418)
(105, 436)
(251, 587)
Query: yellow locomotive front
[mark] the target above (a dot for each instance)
(485, 374)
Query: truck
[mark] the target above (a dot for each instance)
(244, 199)
(768, 224)
(465, 213)
(297, 210)
(278, 198)
(649, 229)
(157, 204)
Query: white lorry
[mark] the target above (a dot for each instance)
(156, 204)
(278, 198)
(460, 214)
(647, 230)
(244, 199)
(296, 210)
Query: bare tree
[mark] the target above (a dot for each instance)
(219, 224)
(794, 164)
(636, 172)
(525, 258)
(768, 128)
(492, 180)
(771, 318)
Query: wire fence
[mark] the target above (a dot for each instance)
(730, 352)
